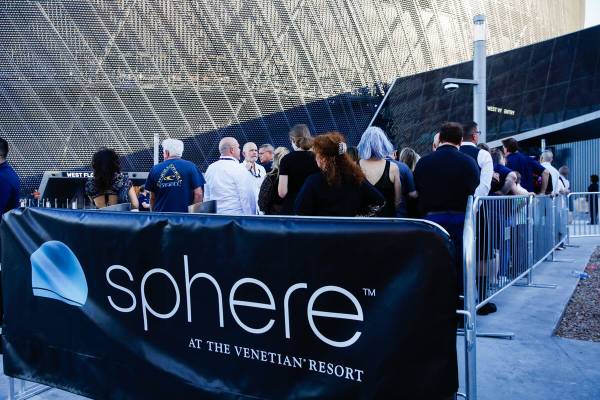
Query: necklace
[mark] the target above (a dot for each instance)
(254, 171)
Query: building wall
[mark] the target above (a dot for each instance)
(582, 160)
(528, 88)
(79, 74)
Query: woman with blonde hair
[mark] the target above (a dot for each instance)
(296, 167)
(269, 201)
(409, 157)
(340, 187)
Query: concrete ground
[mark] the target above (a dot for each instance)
(535, 364)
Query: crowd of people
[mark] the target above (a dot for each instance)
(321, 176)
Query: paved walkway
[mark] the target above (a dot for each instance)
(535, 364)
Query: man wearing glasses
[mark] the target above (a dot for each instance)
(265, 156)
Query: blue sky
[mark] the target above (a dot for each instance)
(592, 12)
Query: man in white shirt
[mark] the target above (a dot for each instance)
(229, 183)
(257, 171)
(483, 158)
(486, 171)
(546, 161)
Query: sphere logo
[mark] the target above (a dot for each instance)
(57, 274)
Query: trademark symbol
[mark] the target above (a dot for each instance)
(369, 292)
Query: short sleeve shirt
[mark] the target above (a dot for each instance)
(526, 166)
(297, 165)
(173, 183)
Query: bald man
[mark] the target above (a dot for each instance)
(229, 182)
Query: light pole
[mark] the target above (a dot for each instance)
(479, 77)
(155, 147)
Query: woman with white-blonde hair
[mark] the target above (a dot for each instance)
(269, 201)
(374, 149)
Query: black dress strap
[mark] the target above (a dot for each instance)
(385, 175)
(386, 188)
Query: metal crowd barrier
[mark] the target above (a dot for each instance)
(505, 238)
(512, 235)
(582, 214)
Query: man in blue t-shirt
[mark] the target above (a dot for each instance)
(524, 165)
(174, 184)
(9, 182)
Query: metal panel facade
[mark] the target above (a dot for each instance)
(583, 160)
(79, 74)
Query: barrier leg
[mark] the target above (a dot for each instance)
(529, 277)
(24, 392)
(531, 284)
(491, 335)
(470, 357)
(11, 388)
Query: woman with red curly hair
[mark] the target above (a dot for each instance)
(340, 188)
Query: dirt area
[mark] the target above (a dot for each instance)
(581, 319)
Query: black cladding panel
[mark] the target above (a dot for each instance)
(527, 88)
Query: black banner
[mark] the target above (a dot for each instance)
(126, 305)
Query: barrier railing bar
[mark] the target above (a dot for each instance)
(579, 227)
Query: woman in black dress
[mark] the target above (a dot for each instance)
(296, 167)
(374, 150)
(340, 188)
(269, 201)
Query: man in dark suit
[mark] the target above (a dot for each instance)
(444, 180)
